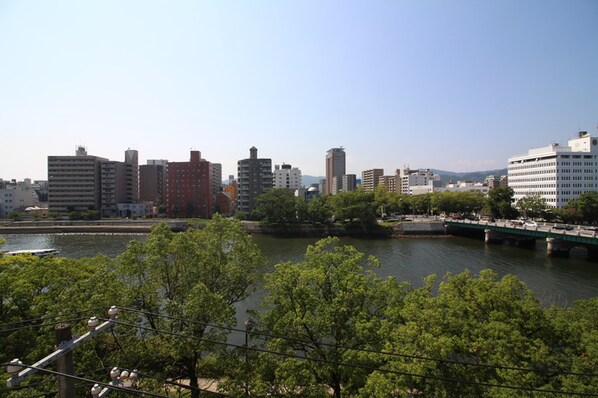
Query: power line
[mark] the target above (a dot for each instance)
(365, 350)
(52, 316)
(41, 325)
(358, 366)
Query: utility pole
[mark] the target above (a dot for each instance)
(64, 348)
(64, 364)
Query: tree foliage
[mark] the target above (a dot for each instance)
(279, 206)
(500, 201)
(531, 206)
(324, 305)
(197, 275)
(355, 206)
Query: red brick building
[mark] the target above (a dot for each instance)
(189, 190)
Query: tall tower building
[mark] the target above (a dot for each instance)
(132, 176)
(335, 167)
(254, 178)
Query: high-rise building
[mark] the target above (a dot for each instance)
(132, 176)
(287, 177)
(556, 173)
(254, 178)
(370, 179)
(74, 182)
(152, 181)
(189, 188)
(348, 183)
(216, 182)
(389, 183)
(119, 183)
(335, 167)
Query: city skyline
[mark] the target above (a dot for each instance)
(458, 86)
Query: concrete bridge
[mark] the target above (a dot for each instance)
(559, 241)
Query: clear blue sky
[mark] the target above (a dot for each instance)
(453, 85)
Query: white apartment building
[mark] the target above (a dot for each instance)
(287, 177)
(416, 182)
(556, 173)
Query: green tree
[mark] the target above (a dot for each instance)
(531, 206)
(500, 201)
(276, 206)
(471, 320)
(319, 210)
(32, 288)
(355, 205)
(324, 306)
(197, 275)
(587, 207)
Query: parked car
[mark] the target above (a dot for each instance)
(563, 226)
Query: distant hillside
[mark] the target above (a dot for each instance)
(308, 180)
(475, 176)
(445, 176)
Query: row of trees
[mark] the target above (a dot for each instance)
(328, 324)
(281, 206)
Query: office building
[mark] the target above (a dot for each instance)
(254, 178)
(556, 173)
(335, 167)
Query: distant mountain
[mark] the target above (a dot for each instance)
(308, 180)
(475, 176)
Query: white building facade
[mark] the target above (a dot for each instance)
(417, 182)
(556, 173)
(287, 177)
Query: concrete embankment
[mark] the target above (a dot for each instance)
(316, 230)
(420, 228)
(90, 227)
(423, 228)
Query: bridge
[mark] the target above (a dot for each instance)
(559, 241)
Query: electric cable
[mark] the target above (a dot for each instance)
(52, 316)
(41, 325)
(365, 350)
(358, 366)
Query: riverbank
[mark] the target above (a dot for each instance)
(401, 229)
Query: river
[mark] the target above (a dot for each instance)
(557, 281)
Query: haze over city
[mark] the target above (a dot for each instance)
(459, 85)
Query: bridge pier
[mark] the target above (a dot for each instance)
(557, 247)
(491, 236)
(592, 252)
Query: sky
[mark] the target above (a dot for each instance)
(451, 85)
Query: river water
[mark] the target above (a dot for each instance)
(557, 281)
